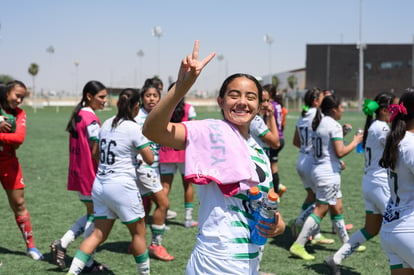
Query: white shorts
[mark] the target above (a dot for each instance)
(117, 200)
(376, 196)
(203, 264)
(148, 181)
(304, 169)
(84, 198)
(171, 168)
(328, 187)
(399, 247)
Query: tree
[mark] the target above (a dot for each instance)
(33, 71)
(275, 81)
(5, 78)
(292, 81)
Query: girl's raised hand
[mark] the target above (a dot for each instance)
(191, 68)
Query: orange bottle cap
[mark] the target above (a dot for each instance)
(273, 196)
(254, 190)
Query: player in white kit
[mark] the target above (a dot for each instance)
(115, 193)
(375, 188)
(328, 148)
(223, 242)
(397, 231)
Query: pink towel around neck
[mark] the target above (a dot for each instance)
(215, 151)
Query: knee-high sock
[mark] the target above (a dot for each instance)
(306, 211)
(25, 226)
(88, 231)
(309, 227)
(356, 239)
(75, 231)
(143, 263)
(339, 225)
(78, 262)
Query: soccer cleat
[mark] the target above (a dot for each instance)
(348, 227)
(335, 268)
(281, 190)
(300, 252)
(159, 252)
(58, 253)
(360, 248)
(322, 240)
(95, 267)
(171, 214)
(35, 254)
(190, 223)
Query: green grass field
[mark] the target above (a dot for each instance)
(44, 158)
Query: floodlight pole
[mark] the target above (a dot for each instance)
(269, 40)
(361, 48)
(157, 32)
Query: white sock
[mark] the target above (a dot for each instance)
(304, 215)
(157, 233)
(349, 247)
(78, 262)
(75, 231)
(309, 227)
(89, 226)
(143, 263)
(188, 214)
(340, 230)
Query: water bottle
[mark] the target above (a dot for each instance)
(360, 148)
(266, 213)
(255, 201)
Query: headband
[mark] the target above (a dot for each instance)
(369, 107)
(396, 109)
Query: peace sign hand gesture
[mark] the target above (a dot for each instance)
(191, 68)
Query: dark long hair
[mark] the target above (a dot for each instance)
(383, 99)
(179, 112)
(329, 102)
(309, 98)
(127, 100)
(92, 87)
(4, 90)
(398, 129)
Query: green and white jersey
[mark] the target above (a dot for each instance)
(155, 147)
(258, 129)
(324, 155)
(224, 231)
(374, 147)
(304, 127)
(118, 148)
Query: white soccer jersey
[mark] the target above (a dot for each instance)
(374, 147)
(305, 158)
(304, 128)
(118, 150)
(324, 154)
(224, 221)
(192, 113)
(258, 129)
(155, 147)
(399, 215)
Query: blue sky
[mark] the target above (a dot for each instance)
(104, 36)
